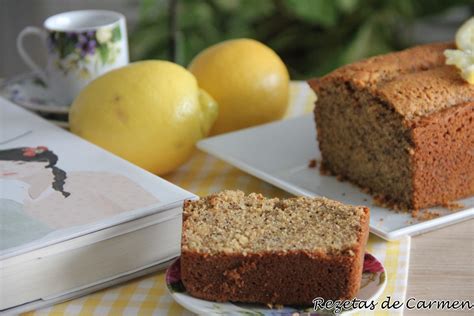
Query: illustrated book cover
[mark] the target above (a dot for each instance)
(55, 186)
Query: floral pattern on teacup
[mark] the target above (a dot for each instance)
(75, 50)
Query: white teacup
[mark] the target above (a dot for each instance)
(81, 46)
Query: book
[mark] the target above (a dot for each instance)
(88, 290)
(72, 214)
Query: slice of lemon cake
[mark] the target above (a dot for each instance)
(247, 248)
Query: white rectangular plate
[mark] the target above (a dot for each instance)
(279, 153)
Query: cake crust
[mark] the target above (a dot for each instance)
(415, 82)
(292, 278)
(443, 162)
(285, 276)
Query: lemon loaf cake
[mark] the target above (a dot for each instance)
(400, 125)
(247, 248)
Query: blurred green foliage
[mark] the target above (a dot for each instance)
(311, 36)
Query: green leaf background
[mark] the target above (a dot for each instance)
(312, 37)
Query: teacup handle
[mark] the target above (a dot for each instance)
(24, 55)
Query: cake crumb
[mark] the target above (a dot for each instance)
(424, 215)
(237, 223)
(324, 171)
(313, 163)
(366, 190)
(453, 206)
(383, 201)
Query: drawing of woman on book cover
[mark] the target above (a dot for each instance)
(45, 197)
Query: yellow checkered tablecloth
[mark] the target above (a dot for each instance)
(204, 174)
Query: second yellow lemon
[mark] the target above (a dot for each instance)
(247, 79)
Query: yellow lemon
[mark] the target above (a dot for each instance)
(151, 113)
(247, 79)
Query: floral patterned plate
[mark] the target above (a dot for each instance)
(374, 280)
(30, 92)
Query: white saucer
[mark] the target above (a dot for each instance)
(30, 92)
